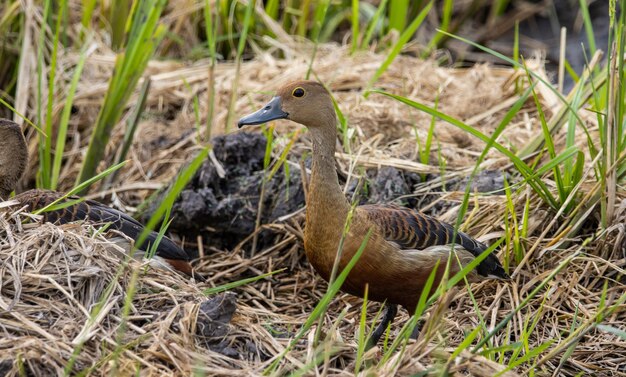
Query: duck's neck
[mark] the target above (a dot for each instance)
(327, 206)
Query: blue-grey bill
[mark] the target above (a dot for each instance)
(271, 111)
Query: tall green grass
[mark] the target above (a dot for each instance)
(240, 49)
(211, 25)
(318, 21)
(398, 10)
(45, 142)
(145, 32)
(119, 13)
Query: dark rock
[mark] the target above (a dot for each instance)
(215, 315)
(227, 206)
(225, 349)
(213, 323)
(389, 184)
(5, 367)
(385, 185)
(255, 353)
(486, 181)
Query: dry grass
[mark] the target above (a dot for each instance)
(51, 277)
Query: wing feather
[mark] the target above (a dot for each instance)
(412, 230)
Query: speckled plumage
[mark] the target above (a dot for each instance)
(13, 158)
(411, 229)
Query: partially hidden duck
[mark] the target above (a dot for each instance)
(13, 161)
(404, 245)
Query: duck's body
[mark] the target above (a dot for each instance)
(399, 255)
(13, 159)
(404, 245)
(402, 248)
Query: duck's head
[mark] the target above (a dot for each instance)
(13, 156)
(304, 102)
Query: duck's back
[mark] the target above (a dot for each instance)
(413, 230)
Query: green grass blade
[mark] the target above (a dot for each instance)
(211, 27)
(398, 10)
(446, 16)
(14, 111)
(62, 203)
(181, 181)
(318, 21)
(65, 118)
(144, 36)
(591, 39)
(131, 127)
(520, 165)
(240, 47)
(404, 38)
(120, 10)
(271, 8)
(88, 8)
(45, 166)
(239, 283)
(375, 23)
(526, 300)
(303, 21)
(355, 26)
(361, 336)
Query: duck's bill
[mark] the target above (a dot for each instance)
(271, 111)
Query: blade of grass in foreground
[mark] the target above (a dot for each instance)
(14, 111)
(39, 98)
(131, 126)
(119, 15)
(446, 16)
(211, 26)
(361, 336)
(318, 21)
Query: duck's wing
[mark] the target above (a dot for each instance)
(412, 230)
(98, 213)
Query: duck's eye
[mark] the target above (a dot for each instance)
(298, 92)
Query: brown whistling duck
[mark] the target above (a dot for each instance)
(404, 245)
(13, 161)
